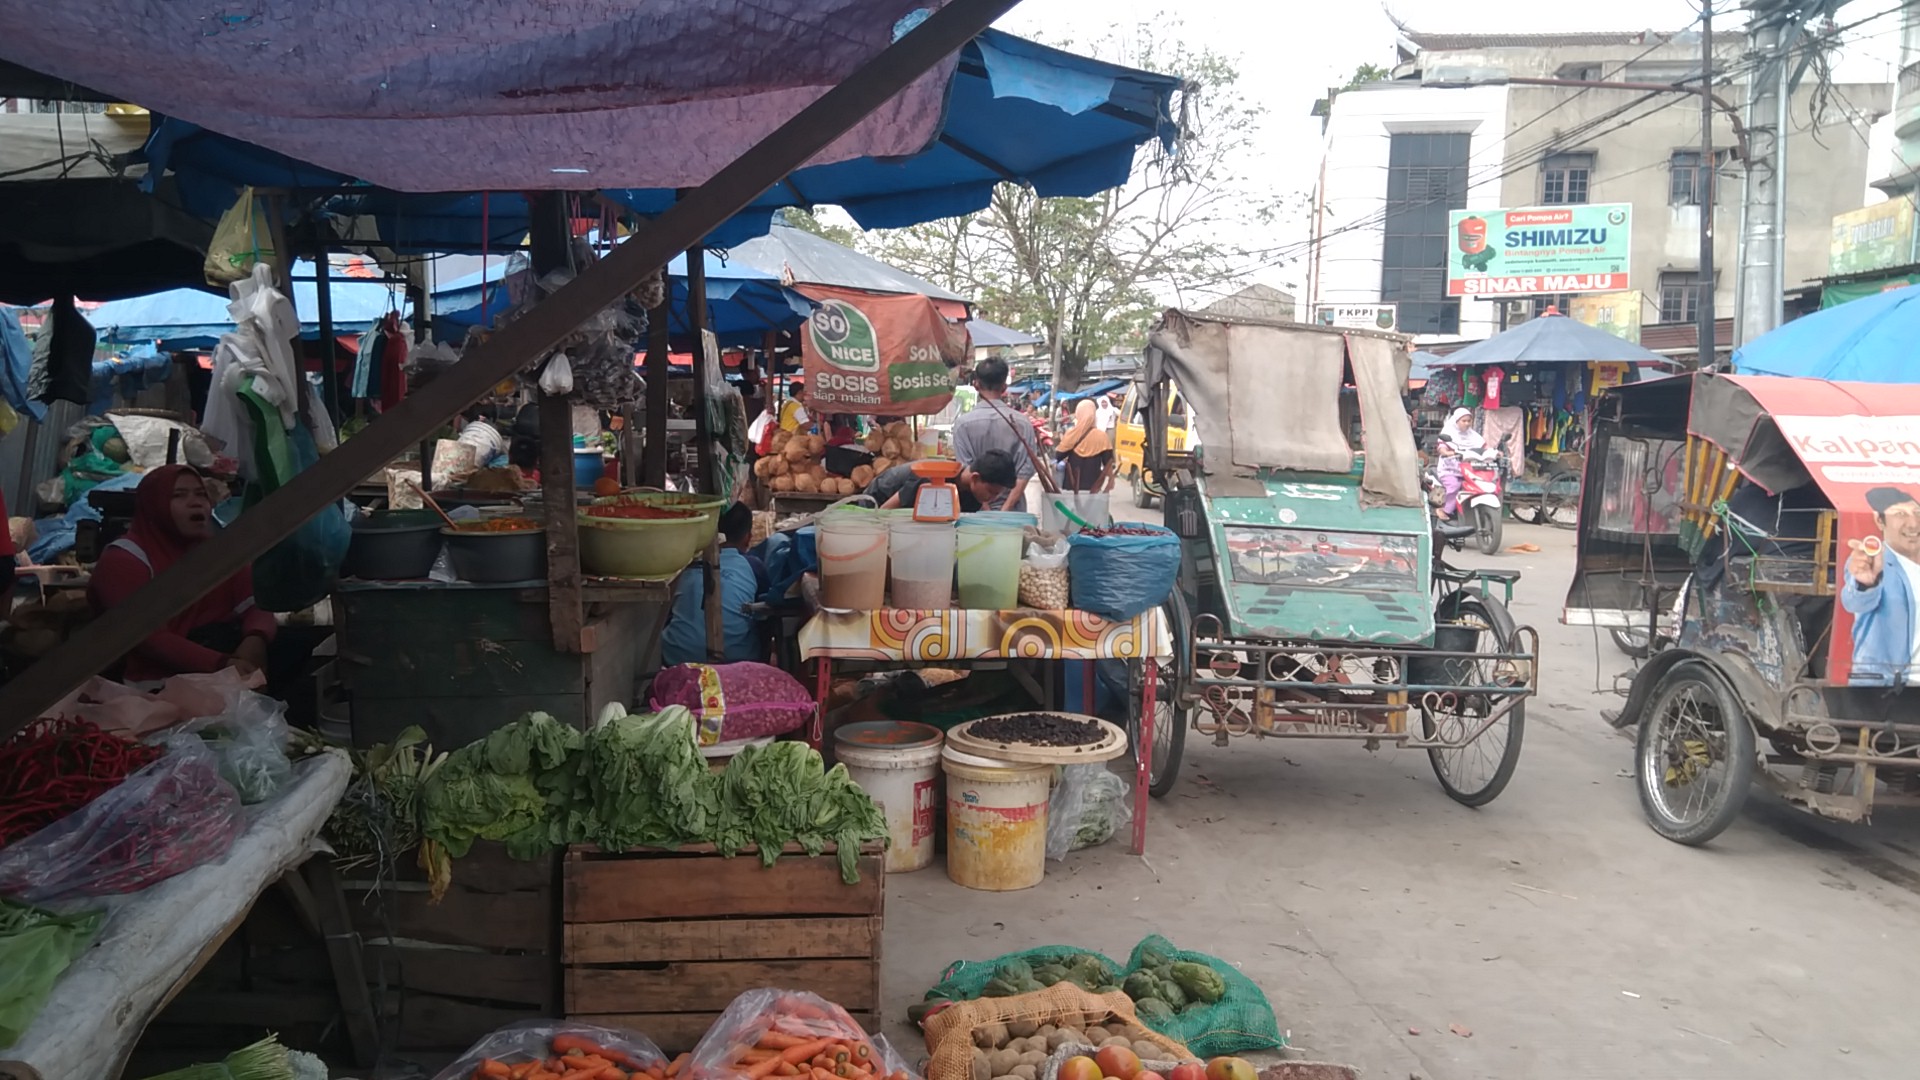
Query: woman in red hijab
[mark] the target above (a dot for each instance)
(172, 513)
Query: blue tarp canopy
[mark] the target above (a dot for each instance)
(1014, 111)
(992, 335)
(194, 318)
(1552, 339)
(1866, 340)
(743, 303)
(1423, 364)
(1104, 386)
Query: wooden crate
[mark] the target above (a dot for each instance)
(484, 956)
(662, 941)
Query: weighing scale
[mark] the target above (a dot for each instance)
(937, 499)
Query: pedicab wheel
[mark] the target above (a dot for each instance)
(1487, 524)
(1169, 723)
(1475, 774)
(1694, 757)
(1142, 494)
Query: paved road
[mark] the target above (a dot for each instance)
(1553, 925)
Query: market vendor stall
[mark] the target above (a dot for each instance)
(154, 940)
(960, 637)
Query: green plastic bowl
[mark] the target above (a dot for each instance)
(711, 505)
(629, 547)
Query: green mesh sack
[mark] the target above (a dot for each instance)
(1241, 1021)
(1023, 972)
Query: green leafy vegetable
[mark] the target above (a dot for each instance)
(782, 792)
(646, 784)
(35, 947)
(490, 790)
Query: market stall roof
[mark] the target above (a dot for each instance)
(1847, 437)
(1013, 111)
(1104, 386)
(490, 94)
(1552, 339)
(795, 255)
(1867, 340)
(195, 318)
(743, 303)
(1423, 364)
(992, 335)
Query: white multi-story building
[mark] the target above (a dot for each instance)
(1449, 130)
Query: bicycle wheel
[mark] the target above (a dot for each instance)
(1560, 499)
(1475, 774)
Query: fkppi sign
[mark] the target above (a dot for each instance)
(1358, 316)
(1539, 250)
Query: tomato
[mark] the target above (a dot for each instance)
(1230, 1068)
(1079, 1068)
(1118, 1063)
(1192, 1070)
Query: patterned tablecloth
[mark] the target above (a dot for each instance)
(945, 636)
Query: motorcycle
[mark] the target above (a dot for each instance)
(1481, 502)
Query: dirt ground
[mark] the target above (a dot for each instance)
(1561, 935)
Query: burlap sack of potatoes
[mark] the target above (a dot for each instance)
(950, 1031)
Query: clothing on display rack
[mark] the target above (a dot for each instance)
(1496, 424)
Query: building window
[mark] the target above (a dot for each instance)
(1562, 304)
(1679, 296)
(1688, 183)
(1580, 72)
(1564, 178)
(1426, 178)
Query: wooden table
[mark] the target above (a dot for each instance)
(961, 637)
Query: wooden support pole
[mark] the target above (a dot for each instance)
(323, 309)
(551, 248)
(730, 190)
(659, 369)
(709, 479)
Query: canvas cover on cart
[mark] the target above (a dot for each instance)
(1267, 396)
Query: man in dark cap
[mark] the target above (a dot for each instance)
(1882, 578)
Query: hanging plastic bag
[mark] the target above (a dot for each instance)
(1122, 572)
(538, 1040)
(1088, 807)
(165, 819)
(241, 239)
(760, 432)
(557, 378)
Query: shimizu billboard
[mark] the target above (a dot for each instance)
(1539, 249)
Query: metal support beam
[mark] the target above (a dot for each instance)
(682, 226)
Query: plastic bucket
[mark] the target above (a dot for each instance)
(588, 466)
(897, 763)
(853, 561)
(996, 822)
(1089, 506)
(989, 557)
(921, 553)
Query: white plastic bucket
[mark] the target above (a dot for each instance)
(921, 554)
(853, 561)
(989, 558)
(897, 763)
(1089, 506)
(996, 822)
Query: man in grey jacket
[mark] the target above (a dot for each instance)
(992, 424)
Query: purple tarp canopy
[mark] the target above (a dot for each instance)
(478, 95)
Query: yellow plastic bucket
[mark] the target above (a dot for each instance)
(996, 822)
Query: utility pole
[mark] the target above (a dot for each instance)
(1761, 281)
(1705, 180)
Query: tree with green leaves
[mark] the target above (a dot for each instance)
(1083, 273)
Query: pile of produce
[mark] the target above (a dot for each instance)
(780, 793)
(797, 461)
(35, 947)
(53, 767)
(560, 1049)
(1113, 1060)
(1088, 971)
(1019, 1049)
(495, 789)
(498, 525)
(632, 781)
(772, 1034)
(264, 1060)
(1038, 729)
(1164, 986)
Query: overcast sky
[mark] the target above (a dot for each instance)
(1290, 51)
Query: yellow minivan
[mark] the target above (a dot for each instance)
(1130, 440)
